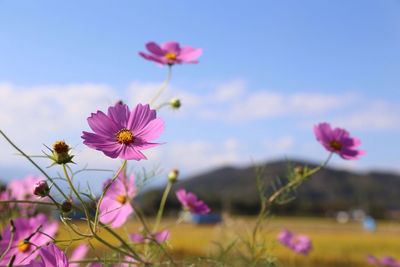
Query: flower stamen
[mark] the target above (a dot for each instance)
(121, 199)
(23, 246)
(336, 145)
(171, 56)
(125, 137)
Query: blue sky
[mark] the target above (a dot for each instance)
(269, 72)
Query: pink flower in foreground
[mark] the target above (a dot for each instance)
(26, 238)
(297, 242)
(190, 202)
(338, 140)
(51, 256)
(171, 53)
(160, 237)
(123, 133)
(116, 208)
(385, 261)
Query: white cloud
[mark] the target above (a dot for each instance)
(377, 115)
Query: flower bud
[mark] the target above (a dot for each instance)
(299, 170)
(173, 175)
(175, 103)
(61, 153)
(66, 206)
(41, 189)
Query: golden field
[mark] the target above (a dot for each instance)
(334, 244)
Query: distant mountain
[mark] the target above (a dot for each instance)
(234, 190)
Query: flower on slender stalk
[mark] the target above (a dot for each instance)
(385, 261)
(190, 202)
(25, 237)
(122, 133)
(116, 207)
(338, 140)
(171, 53)
(160, 237)
(299, 243)
(60, 153)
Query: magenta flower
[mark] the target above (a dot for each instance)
(190, 202)
(51, 256)
(123, 133)
(171, 53)
(297, 242)
(26, 239)
(116, 208)
(385, 261)
(160, 237)
(338, 141)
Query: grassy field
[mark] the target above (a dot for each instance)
(334, 244)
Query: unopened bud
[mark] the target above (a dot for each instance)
(299, 170)
(119, 102)
(61, 153)
(175, 103)
(41, 189)
(66, 206)
(173, 175)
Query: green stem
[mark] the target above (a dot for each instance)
(28, 202)
(34, 164)
(96, 217)
(85, 209)
(162, 206)
(163, 86)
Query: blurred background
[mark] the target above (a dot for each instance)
(270, 71)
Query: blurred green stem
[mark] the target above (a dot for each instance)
(163, 86)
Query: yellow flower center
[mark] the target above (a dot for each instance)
(171, 56)
(60, 147)
(23, 246)
(125, 137)
(336, 145)
(121, 199)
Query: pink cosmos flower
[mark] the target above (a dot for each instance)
(297, 242)
(26, 238)
(171, 53)
(338, 140)
(190, 202)
(51, 256)
(78, 254)
(160, 237)
(123, 133)
(116, 208)
(22, 189)
(385, 261)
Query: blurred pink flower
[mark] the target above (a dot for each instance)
(160, 237)
(22, 189)
(299, 243)
(190, 202)
(384, 261)
(338, 140)
(123, 133)
(171, 53)
(78, 254)
(116, 208)
(26, 238)
(50, 256)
